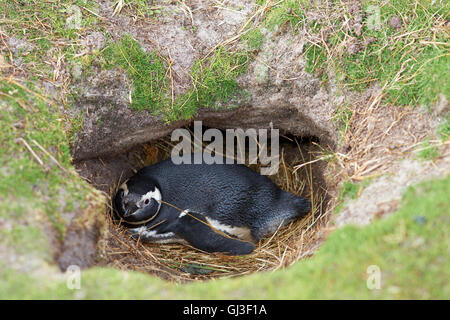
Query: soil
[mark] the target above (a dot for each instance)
(281, 95)
(379, 146)
(383, 195)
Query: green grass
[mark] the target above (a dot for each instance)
(253, 38)
(409, 63)
(26, 239)
(39, 188)
(349, 190)
(214, 79)
(141, 8)
(27, 122)
(73, 125)
(147, 71)
(341, 119)
(443, 129)
(286, 13)
(427, 151)
(409, 247)
(316, 58)
(412, 69)
(52, 28)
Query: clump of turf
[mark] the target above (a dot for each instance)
(214, 79)
(214, 82)
(147, 71)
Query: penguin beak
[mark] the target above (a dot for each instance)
(128, 212)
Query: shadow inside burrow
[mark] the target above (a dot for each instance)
(299, 172)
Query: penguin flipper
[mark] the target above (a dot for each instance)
(144, 235)
(194, 228)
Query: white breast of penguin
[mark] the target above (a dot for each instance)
(232, 198)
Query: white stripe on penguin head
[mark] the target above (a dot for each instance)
(124, 187)
(155, 194)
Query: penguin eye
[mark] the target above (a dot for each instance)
(146, 201)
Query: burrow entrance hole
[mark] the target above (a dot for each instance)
(299, 172)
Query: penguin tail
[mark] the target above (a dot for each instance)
(302, 206)
(295, 208)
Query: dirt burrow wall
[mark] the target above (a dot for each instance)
(279, 92)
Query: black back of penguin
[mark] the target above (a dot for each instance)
(231, 195)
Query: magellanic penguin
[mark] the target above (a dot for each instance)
(222, 208)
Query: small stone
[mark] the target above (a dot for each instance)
(50, 88)
(370, 40)
(420, 220)
(196, 270)
(393, 290)
(442, 107)
(95, 40)
(17, 45)
(357, 28)
(418, 242)
(353, 48)
(3, 63)
(76, 72)
(395, 22)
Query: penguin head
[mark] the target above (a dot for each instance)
(137, 202)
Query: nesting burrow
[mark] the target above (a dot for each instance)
(299, 172)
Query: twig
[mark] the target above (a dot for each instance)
(309, 162)
(49, 155)
(35, 156)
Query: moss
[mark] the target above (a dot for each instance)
(253, 38)
(75, 124)
(30, 125)
(24, 239)
(214, 79)
(148, 71)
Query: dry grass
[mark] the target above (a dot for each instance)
(181, 263)
(377, 136)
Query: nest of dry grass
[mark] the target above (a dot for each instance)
(182, 263)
